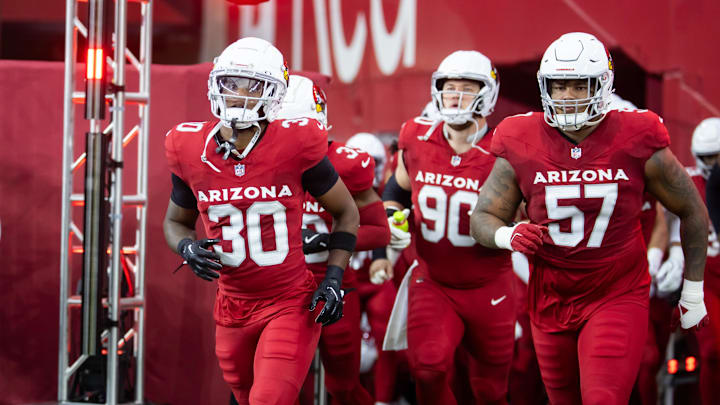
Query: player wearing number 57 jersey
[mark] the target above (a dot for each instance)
(582, 171)
(459, 292)
(246, 175)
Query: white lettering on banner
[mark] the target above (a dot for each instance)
(577, 176)
(388, 45)
(266, 21)
(348, 58)
(240, 193)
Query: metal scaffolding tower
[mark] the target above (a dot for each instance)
(103, 202)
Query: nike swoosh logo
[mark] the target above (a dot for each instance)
(365, 162)
(311, 238)
(494, 302)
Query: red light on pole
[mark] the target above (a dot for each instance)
(95, 66)
(690, 363)
(672, 366)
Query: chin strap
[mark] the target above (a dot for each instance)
(229, 145)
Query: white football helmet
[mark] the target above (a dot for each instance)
(618, 103)
(247, 83)
(469, 65)
(304, 99)
(374, 147)
(705, 142)
(576, 55)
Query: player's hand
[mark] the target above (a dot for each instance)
(691, 311)
(314, 242)
(380, 271)
(329, 291)
(524, 237)
(670, 275)
(202, 261)
(399, 239)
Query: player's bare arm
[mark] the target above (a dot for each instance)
(669, 183)
(339, 203)
(498, 201)
(179, 224)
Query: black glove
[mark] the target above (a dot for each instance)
(314, 242)
(203, 262)
(329, 291)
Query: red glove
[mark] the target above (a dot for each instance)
(524, 237)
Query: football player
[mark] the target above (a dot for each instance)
(246, 174)
(582, 171)
(340, 343)
(459, 293)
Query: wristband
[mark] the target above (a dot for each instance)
(335, 272)
(342, 240)
(503, 237)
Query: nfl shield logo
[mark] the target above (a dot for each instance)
(239, 169)
(575, 153)
(455, 160)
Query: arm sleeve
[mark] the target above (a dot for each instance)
(712, 196)
(374, 231)
(320, 178)
(182, 194)
(393, 192)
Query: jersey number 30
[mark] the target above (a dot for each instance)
(607, 191)
(254, 243)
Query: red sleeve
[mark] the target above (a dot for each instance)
(374, 231)
(357, 173)
(171, 154)
(311, 145)
(647, 131)
(497, 146)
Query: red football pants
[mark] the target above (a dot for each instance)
(645, 391)
(597, 364)
(441, 318)
(266, 360)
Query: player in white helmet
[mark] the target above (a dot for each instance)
(582, 170)
(245, 175)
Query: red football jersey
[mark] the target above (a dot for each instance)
(255, 205)
(357, 170)
(444, 193)
(589, 196)
(712, 266)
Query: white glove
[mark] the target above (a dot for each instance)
(670, 275)
(399, 239)
(691, 306)
(654, 258)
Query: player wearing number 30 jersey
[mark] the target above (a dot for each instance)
(246, 176)
(582, 171)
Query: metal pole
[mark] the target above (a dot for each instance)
(68, 138)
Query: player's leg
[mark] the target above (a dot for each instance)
(558, 360)
(610, 347)
(378, 308)
(235, 350)
(434, 331)
(489, 314)
(709, 342)
(284, 352)
(340, 354)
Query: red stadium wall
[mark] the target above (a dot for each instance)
(670, 45)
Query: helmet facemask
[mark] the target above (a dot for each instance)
(481, 100)
(574, 114)
(240, 101)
